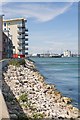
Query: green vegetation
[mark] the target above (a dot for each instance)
(38, 115)
(22, 62)
(23, 98)
(17, 62)
(25, 105)
(23, 117)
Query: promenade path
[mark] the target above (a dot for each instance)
(4, 115)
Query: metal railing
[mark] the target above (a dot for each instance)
(20, 25)
(21, 36)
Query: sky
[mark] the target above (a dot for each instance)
(39, 0)
(53, 26)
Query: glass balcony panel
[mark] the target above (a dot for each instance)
(21, 36)
(20, 25)
(26, 39)
(26, 44)
(21, 31)
(20, 48)
(26, 48)
(26, 34)
(21, 41)
(26, 30)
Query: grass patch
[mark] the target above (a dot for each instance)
(23, 117)
(38, 116)
(17, 62)
(23, 98)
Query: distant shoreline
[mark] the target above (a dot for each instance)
(53, 57)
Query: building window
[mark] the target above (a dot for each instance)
(4, 24)
(13, 47)
(4, 28)
(9, 23)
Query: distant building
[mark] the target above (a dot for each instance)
(67, 53)
(19, 34)
(45, 55)
(34, 55)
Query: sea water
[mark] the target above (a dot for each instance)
(63, 72)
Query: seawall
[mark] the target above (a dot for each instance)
(27, 94)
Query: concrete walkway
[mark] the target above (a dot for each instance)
(4, 115)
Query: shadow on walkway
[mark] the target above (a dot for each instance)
(14, 108)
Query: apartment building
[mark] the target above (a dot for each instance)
(17, 28)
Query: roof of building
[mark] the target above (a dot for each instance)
(15, 19)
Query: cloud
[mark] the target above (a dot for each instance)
(41, 12)
(54, 47)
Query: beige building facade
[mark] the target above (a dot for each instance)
(19, 33)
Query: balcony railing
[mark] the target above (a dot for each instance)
(22, 41)
(21, 26)
(26, 30)
(21, 36)
(20, 48)
(26, 34)
(21, 52)
(22, 45)
(21, 31)
(26, 48)
(26, 53)
(26, 44)
(26, 39)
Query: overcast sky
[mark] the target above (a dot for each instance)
(53, 26)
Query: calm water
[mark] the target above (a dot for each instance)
(63, 72)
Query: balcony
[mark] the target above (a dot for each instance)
(21, 31)
(26, 39)
(26, 44)
(22, 45)
(21, 36)
(26, 48)
(26, 34)
(21, 26)
(26, 30)
(22, 41)
(26, 53)
(20, 48)
(21, 52)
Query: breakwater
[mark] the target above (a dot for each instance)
(63, 72)
(27, 94)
